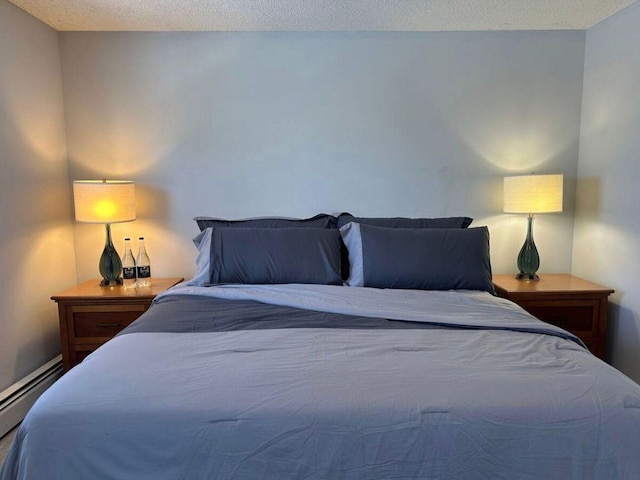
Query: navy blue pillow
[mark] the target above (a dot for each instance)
(402, 222)
(275, 255)
(321, 220)
(397, 222)
(425, 259)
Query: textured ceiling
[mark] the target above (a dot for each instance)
(320, 15)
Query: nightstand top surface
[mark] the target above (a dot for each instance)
(551, 282)
(91, 290)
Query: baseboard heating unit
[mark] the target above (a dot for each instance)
(16, 400)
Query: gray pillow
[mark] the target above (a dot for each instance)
(425, 259)
(321, 220)
(402, 222)
(275, 255)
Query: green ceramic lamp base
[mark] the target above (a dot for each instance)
(528, 258)
(110, 264)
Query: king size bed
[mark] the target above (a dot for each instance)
(241, 373)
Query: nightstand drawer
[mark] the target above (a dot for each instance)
(576, 318)
(102, 324)
(97, 324)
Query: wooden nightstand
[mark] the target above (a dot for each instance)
(90, 315)
(569, 302)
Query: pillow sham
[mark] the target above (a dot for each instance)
(202, 241)
(402, 222)
(274, 255)
(425, 259)
(321, 220)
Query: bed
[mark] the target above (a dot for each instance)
(333, 378)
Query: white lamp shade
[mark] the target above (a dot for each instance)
(104, 201)
(533, 194)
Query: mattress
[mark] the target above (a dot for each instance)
(329, 382)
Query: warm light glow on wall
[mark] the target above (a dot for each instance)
(104, 201)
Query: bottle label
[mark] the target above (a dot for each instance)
(144, 272)
(129, 273)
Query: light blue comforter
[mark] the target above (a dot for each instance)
(496, 394)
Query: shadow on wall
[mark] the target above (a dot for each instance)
(589, 197)
(622, 336)
(152, 202)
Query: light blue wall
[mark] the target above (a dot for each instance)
(36, 238)
(246, 124)
(607, 230)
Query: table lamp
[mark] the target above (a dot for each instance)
(531, 194)
(105, 201)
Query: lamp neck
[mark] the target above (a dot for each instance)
(530, 228)
(108, 242)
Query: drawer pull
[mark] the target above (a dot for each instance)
(107, 325)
